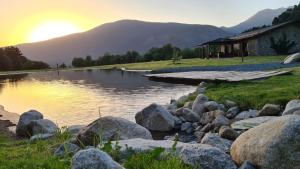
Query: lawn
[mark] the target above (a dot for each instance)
(169, 64)
(255, 94)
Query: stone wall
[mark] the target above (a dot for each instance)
(263, 42)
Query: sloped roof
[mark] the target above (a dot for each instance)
(247, 35)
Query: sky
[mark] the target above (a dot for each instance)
(23, 21)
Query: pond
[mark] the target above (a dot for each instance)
(75, 97)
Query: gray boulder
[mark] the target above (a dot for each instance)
(291, 107)
(232, 112)
(250, 123)
(187, 127)
(208, 117)
(43, 126)
(221, 120)
(206, 157)
(24, 121)
(228, 133)
(155, 118)
(274, 144)
(216, 141)
(190, 116)
(229, 104)
(246, 115)
(93, 159)
(198, 105)
(111, 128)
(269, 110)
(66, 149)
(74, 129)
(295, 58)
(142, 145)
(212, 106)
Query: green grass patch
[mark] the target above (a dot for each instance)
(255, 94)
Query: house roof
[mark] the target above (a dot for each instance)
(247, 35)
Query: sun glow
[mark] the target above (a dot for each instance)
(52, 29)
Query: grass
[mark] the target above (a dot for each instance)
(20, 154)
(255, 94)
(169, 64)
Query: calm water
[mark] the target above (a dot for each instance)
(74, 97)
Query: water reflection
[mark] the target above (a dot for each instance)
(74, 97)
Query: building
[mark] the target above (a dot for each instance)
(254, 43)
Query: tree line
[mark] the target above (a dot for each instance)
(166, 52)
(289, 15)
(11, 58)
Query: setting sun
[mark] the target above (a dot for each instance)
(53, 29)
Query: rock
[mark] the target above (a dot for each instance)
(247, 165)
(199, 135)
(274, 144)
(221, 120)
(246, 115)
(187, 127)
(112, 128)
(41, 137)
(190, 116)
(228, 133)
(291, 107)
(297, 112)
(93, 159)
(212, 106)
(43, 126)
(206, 157)
(269, 110)
(198, 105)
(182, 99)
(195, 125)
(232, 112)
(24, 121)
(250, 123)
(207, 128)
(155, 118)
(178, 122)
(74, 129)
(295, 58)
(141, 145)
(229, 104)
(208, 117)
(216, 141)
(66, 149)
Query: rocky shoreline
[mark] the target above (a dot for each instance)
(205, 133)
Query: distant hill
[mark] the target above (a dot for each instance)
(119, 37)
(264, 17)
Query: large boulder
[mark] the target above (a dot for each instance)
(190, 116)
(292, 107)
(23, 129)
(142, 145)
(155, 118)
(93, 159)
(295, 58)
(246, 115)
(198, 105)
(111, 128)
(250, 123)
(216, 141)
(269, 110)
(274, 144)
(206, 157)
(43, 126)
(74, 129)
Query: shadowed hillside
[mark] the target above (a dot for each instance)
(119, 37)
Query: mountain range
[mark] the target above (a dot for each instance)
(121, 36)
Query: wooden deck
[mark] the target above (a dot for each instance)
(229, 76)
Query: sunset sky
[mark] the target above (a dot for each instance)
(35, 20)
